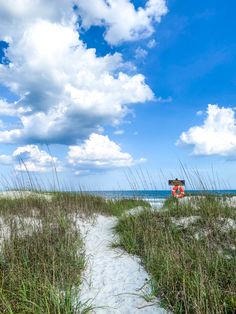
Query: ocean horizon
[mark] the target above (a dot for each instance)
(156, 198)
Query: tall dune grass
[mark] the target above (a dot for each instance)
(42, 257)
(190, 251)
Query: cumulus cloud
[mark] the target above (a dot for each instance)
(217, 135)
(17, 15)
(31, 158)
(65, 91)
(123, 22)
(99, 152)
(7, 109)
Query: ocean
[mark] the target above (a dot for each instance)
(156, 198)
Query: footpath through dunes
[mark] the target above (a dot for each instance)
(114, 282)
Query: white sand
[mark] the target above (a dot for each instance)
(184, 221)
(113, 279)
(136, 210)
(229, 200)
(23, 225)
(227, 224)
(4, 231)
(23, 194)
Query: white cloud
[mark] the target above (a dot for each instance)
(17, 15)
(31, 158)
(217, 135)
(99, 152)
(7, 109)
(82, 172)
(200, 113)
(140, 53)
(152, 43)
(122, 21)
(118, 132)
(67, 92)
(164, 100)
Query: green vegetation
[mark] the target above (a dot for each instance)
(42, 255)
(41, 260)
(205, 205)
(188, 248)
(40, 204)
(90, 204)
(190, 251)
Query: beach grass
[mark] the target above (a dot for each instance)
(189, 249)
(42, 258)
(89, 204)
(40, 204)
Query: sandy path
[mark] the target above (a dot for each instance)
(113, 278)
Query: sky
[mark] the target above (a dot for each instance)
(117, 93)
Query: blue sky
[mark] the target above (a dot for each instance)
(159, 88)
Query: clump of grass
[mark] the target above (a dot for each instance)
(118, 207)
(25, 206)
(91, 204)
(41, 204)
(207, 205)
(193, 265)
(40, 267)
